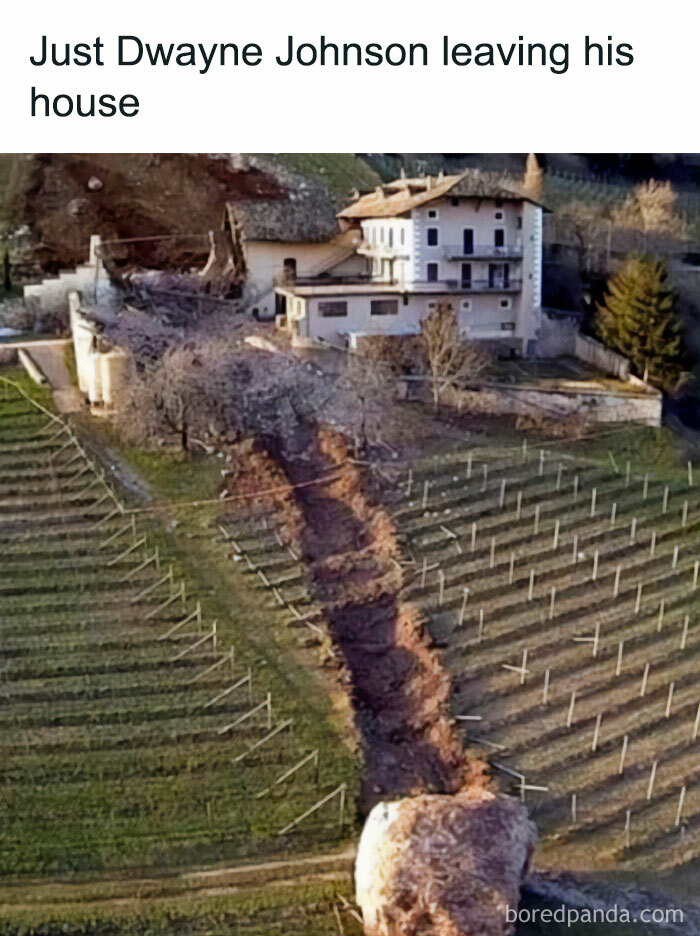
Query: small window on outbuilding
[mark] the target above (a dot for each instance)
(432, 236)
(384, 307)
(432, 272)
(290, 266)
(333, 309)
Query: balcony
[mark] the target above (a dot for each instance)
(484, 252)
(494, 285)
(465, 286)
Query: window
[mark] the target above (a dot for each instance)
(381, 234)
(508, 326)
(499, 237)
(466, 305)
(384, 307)
(432, 272)
(432, 234)
(391, 237)
(466, 275)
(433, 213)
(402, 236)
(289, 267)
(505, 303)
(468, 241)
(520, 222)
(335, 309)
(499, 216)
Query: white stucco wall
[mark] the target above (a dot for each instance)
(479, 316)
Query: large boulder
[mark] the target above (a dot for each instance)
(440, 865)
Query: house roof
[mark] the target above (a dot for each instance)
(403, 195)
(302, 216)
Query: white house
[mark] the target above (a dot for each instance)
(461, 239)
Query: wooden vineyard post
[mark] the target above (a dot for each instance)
(463, 609)
(575, 488)
(665, 501)
(696, 725)
(545, 688)
(531, 586)
(623, 755)
(684, 517)
(555, 538)
(628, 469)
(481, 625)
(441, 580)
(426, 486)
(552, 598)
(594, 576)
(669, 699)
(674, 560)
(681, 800)
(503, 494)
(536, 528)
(613, 514)
(638, 602)
(469, 466)
(409, 483)
(486, 476)
(492, 558)
(690, 474)
(522, 670)
(652, 545)
(570, 713)
(596, 732)
(645, 680)
(696, 566)
(645, 489)
(652, 778)
(616, 586)
(519, 505)
(511, 568)
(633, 530)
(593, 500)
(559, 473)
(684, 635)
(474, 536)
(574, 550)
(620, 649)
(628, 823)
(524, 450)
(660, 618)
(541, 470)
(574, 809)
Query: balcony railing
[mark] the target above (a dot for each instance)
(483, 252)
(474, 285)
(496, 285)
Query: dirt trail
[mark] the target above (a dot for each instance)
(400, 690)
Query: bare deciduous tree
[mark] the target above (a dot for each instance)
(190, 391)
(451, 360)
(651, 208)
(587, 224)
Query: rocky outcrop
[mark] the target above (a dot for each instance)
(441, 865)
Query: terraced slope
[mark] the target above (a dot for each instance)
(131, 738)
(566, 595)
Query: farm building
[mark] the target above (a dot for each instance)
(464, 240)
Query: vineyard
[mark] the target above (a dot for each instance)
(133, 734)
(565, 592)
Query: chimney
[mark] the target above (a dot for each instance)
(428, 183)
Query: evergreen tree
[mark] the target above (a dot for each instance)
(639, 318)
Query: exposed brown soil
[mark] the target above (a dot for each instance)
(400, 689)
(141, 195)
